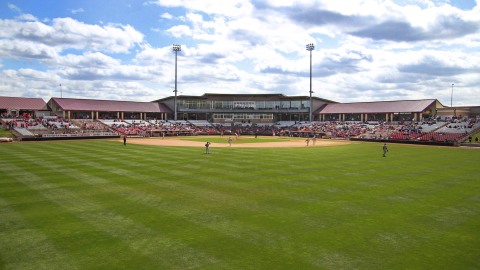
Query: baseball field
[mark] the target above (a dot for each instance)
(261, 203)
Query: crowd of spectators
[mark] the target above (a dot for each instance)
(452, 130)
(296, 129)
(408, 130)
(58, 124)
(89, 124)
(20, 121)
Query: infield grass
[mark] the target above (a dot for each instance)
(100, 205)
(241, 140)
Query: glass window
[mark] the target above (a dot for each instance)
(295, 104)
(270, 105)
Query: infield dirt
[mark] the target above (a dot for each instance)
(174, 141)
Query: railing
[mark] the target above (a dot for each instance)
(472, 132)
(91, 134)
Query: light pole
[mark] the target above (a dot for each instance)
(451, 97)
(310, 47)
(176, 48)
(61, 92)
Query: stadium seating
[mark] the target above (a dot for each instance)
(441, 137)
(200, 123)
(24, 132)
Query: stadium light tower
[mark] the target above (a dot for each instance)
(310, 47)
(176, 48)
(451, 97)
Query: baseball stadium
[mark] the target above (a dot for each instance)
(286, 182)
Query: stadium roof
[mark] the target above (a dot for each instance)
(245, 97)
(72, 104)
(21, 103)
(401, 106)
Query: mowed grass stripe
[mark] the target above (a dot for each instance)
(63, 228)
(174, 211)
(227, 227)
(134, 235)
(337, 212)
(18, 236)
(251, 250)
(270, 242)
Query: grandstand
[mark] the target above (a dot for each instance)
(200, 123)
(214, 114)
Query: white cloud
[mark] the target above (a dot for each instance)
(232, 8)
(180, 31)
(167, 16)
(14, 8)
(270, 42)
(26, 17)
(77, 10)
(366, 50)
(67, 33)
(89, 59)
(19, 49)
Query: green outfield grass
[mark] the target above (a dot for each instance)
(5, 133)
(100, 205)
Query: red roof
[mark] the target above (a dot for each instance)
(402, 106)
(73, 104)
(21, 103)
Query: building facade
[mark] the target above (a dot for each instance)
(387, 111)
(235, 108)
(73, 108)
(251, 108)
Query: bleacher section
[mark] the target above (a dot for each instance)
(441, 137)
(448, 132)
(405, 135)
(429, 127)
(90, 124)
(453, 131)
(24, 132)
(461, 127)
(178, 122)
(23, 123)
(285, 123)
(111, 122)
(54, 127)
(59, 124)
(200, 123)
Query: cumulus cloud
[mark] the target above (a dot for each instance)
(19, 49)
(154, 56)
(180, 31)
(167, 16)
(88, 60)
(67, 33)
(26, 17)
(231, 9)
(436, 67)
(443, 28)
(314, 17)
(366, 50)
(97, 66)
(368, 20)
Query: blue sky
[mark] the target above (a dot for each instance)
(369, 50)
